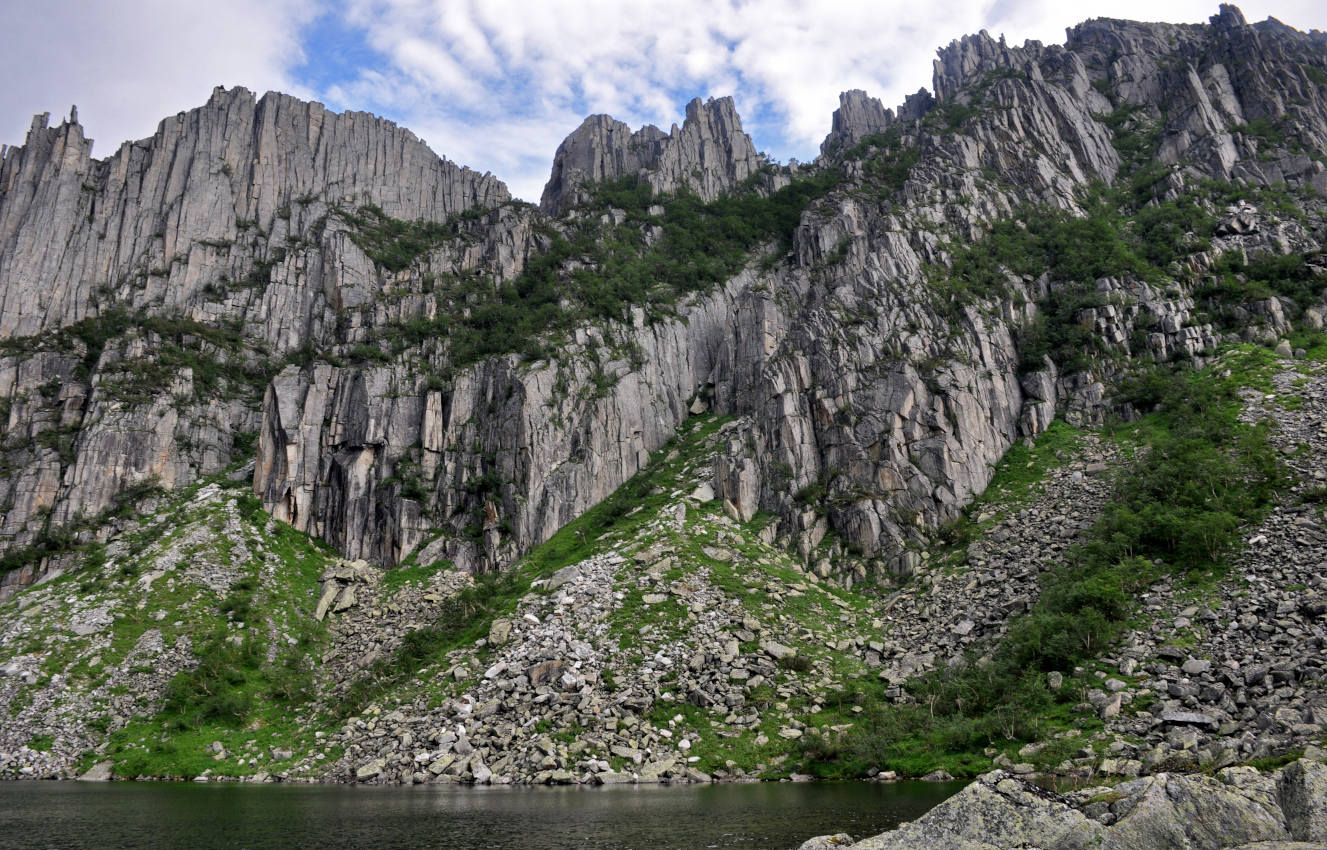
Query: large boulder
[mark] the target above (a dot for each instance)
(1238, 809)
(1302, 796)
(996, 810)
(1183, 812)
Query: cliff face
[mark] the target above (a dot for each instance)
(274, 238)
(185, 203)
(815, 368)
(1209, 82)
(143, 296)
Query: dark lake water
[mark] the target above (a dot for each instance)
(159, 815)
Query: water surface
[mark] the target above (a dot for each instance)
(157, 816)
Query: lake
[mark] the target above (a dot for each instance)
(769, 816)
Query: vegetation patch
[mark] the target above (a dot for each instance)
(595, 272)
(395, 244)
(254, 646)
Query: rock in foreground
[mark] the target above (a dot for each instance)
(1237, 808)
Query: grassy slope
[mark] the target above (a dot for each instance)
(265, 574)
(1163, 521)
(213, 576)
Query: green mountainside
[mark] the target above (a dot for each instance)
(991, 438)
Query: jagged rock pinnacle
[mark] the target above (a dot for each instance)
(708, 155)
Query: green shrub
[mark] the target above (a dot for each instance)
(214, 691)
(239, 601)
(392, 243)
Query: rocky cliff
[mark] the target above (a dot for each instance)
(145, 295)
(709, 154)
(154, 223)
(295, 241)
(899, 412)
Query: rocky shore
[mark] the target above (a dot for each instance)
(1237, 808)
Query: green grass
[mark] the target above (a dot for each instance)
(1023, 467)
(416, 575)
(1314, 343)
(395, 244)
(715, 750)
(234, 695)
(649, 490)
(1271, 763)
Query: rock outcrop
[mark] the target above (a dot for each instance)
(859, 115)
(154, 223)
(708, 155)
(1210, 84)
(142, 295)
(1237, 808)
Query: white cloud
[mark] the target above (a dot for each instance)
(534, 69)
(127, 64)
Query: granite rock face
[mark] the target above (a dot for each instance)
(1210, 81)
(185, 201)
(129, 284)
(859, 115)
(897, 420)
(330, 436)
(709, 154)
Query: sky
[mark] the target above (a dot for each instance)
(497, 84)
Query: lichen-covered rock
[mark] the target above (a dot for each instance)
(1168, 811)
(995, 811)
(1239, 808)
(1302, 796)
